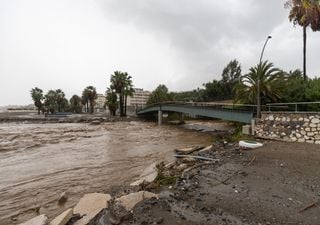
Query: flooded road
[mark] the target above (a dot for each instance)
(40, 161)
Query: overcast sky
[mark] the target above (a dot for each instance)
(70, 44)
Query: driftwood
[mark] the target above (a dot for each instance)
(197, 157)
(252, 160)
(313, 204)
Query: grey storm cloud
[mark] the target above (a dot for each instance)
(201, 31)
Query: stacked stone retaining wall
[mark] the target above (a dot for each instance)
(296, 127)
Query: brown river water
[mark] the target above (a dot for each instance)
(40, 161)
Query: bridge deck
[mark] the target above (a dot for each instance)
(229, 114)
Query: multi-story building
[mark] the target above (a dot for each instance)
(100, 103)
(138, 99)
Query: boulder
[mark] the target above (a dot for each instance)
(89, 206)
(130, 200)
(63, 198)
(63, 218)
(148, 175)
(39, 220)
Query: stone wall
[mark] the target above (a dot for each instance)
(300, 127)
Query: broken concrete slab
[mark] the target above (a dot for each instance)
(189, 150)
(130, 200)
(89, 206)
(39, 220)
(63, 218)
(148, 175)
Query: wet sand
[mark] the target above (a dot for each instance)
(40, 161)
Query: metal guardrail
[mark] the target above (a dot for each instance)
(216, 105)
(294, 107)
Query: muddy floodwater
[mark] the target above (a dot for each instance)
(40, 161)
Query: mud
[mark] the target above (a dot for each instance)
(41, 161)
(271, 185)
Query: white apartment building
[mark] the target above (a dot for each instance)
(99, 104)
(138, 99)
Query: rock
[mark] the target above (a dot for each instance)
(63, 198)
(130, 200)
(95, 122)
(148, 175)
(185, 151)
(271, 118)
(90, 205)
(312, 125)
(315, 121)
(63, 218)
(310, 134)
(39, 220)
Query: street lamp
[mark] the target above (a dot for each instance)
(258, 79)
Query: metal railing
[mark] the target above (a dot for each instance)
(213, 105)
(294, 107)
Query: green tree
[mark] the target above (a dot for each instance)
(271, 82)
(230, 78)
(75, 104)
(111, 101)
(50, 101)
(213, 91)
(60, 99)
(305, 13)
(294, 89)
(85, 99)
(121, 83)
(37, 97)
(160, 94)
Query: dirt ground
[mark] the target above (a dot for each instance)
(274, 184)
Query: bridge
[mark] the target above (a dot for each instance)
(229, 112)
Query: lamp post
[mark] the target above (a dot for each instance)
(258, 79)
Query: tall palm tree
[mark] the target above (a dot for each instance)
(111, 101)
(122, 84)
(85, 100)
(305, 13)
(270, 84)
(128, 91)
(92, 96)
(37, 97)
(60, 97)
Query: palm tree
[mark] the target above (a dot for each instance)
(305, 13)
(37, 97)
(91, 96)
(111, 101)
(85, 100)
(121, 83)
(128, 91)
(60, 97)
(270, 84)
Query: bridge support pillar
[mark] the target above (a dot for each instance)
(181, 117)
(159, 117)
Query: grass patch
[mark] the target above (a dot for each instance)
(164, 178)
